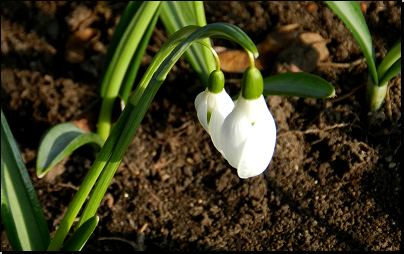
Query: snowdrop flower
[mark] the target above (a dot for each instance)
(212, 106)
(248, 134)
(245, 133)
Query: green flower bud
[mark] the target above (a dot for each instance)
(252, 85)
(216, 81)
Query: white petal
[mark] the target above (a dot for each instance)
(251, 108)
(201, 97)
(224, 105)
(201, 105)
(233, 135)
(259, 146)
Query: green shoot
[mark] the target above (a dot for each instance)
(350, 13)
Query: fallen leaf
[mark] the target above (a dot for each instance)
(236, 61)
(303, 55)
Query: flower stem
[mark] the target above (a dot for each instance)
(214, 53)
(252, 58)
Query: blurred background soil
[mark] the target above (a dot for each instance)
(334, 182)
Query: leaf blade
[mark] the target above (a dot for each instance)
(390, 59)
(80, 236)
(131, 73)
(300, 84)
(120, 61)
(59, 142)
(120, 29)
(351, 14)
(178, 14)
(21, 212)
(394, 70)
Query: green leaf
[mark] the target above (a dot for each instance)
(300, 84)
(178, 14)
(394, 70)
(110, 143)
(120, 61)
(351, 14)
(21, 212)
(131, 73)
(131, 8)
(61, 141)
(392, 56)
(81, 235)
(201, 21)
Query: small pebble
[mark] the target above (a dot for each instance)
(189, 160)
(110, 201)
(312, 7)
(389, 158)
(392, 165)
(364, 7)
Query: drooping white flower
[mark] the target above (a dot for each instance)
(212, 109)
(248, 137)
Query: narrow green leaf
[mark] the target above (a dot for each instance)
(59, 142)
(300, 84)
(131, 73)
(178, 14)
(158, 59)
(131, 8)
(351, 14)
(394, 70)
(21, 212)
(127, 116)
(392, 56)
(201, 21)
(110, 144)
(81, 235)
(120, 61)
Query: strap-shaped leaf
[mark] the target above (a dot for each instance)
(351, 14)
(131, 73)
(120, 61)
(21, 212)
(81, 235)
(394, 70)
(59, 142)
(178, 14)
(130, 9)
(389, 60)
(300, 84)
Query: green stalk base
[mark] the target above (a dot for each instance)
(375, 95)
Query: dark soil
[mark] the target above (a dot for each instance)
(335, 179)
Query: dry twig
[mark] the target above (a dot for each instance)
(310, 131)
(340, 98)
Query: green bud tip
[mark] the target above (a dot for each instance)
(252, 85)
(216, 81)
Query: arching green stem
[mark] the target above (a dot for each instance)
(117, 143)
(214, 53)
(251, 57)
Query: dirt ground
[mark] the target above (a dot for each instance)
(334, 182)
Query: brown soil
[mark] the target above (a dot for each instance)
(334, 182)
